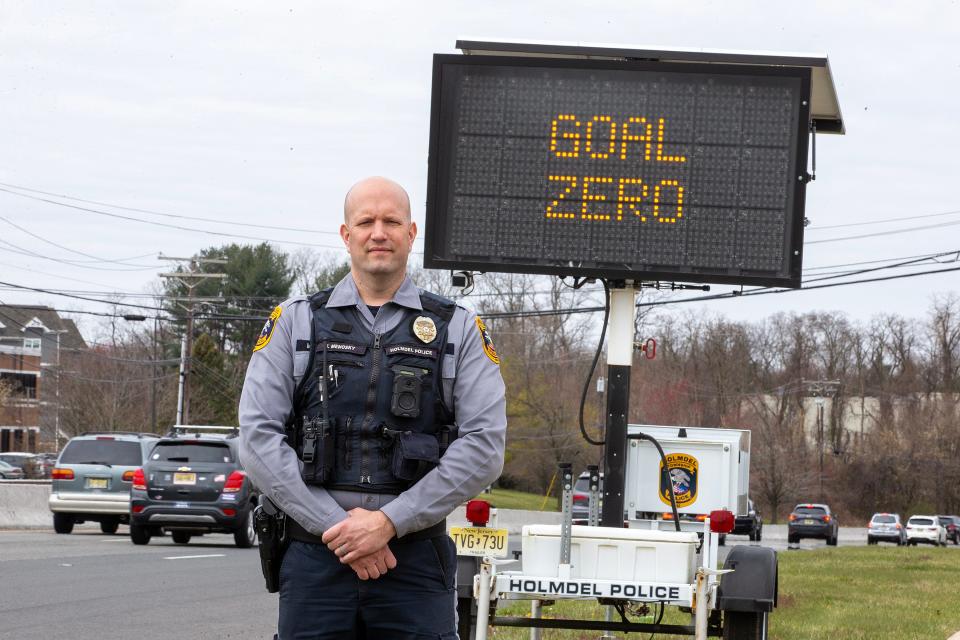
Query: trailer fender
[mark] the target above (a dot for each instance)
(753, 584)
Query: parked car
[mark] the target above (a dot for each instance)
(750, 524)
(92, 479)
(45, 462)
(952, 526)
(886, 527)
(22, 460)
(809, 520)
(10, 472)
(193, 484)
(925, 530)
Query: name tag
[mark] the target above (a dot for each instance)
(344, 347)
(412, 350)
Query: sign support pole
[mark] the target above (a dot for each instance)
(623, 310)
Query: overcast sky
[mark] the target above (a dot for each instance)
(264, 114)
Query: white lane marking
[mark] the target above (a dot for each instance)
(116, 540)
(208, 555)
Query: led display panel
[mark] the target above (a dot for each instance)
(625, 170)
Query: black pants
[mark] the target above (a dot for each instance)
(322, 599)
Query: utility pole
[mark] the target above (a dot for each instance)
(620, 344)
(190, 278)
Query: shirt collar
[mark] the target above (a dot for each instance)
(345, 294)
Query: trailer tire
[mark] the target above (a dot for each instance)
(745, 625)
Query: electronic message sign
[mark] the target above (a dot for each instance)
(618, 169)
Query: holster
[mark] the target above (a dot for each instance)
(270, 522)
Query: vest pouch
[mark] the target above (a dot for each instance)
(414, 454)
(317, 450)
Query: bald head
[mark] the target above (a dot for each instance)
(376, 187)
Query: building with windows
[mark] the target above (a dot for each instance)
(32, 341)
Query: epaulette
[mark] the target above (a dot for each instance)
(438, 305)
(320, 298)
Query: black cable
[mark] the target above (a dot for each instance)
(593, 365)
(666, 469)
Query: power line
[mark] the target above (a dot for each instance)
(883, 221)
(858, 264)
(71, 263)
(885, 233)
(168, 225)
(719, 296)
(88, 299)
(232, 223)
(61, 277)
(60, 246)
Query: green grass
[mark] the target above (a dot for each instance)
(506, 499)
(853, 593)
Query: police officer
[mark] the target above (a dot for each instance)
(369, 412)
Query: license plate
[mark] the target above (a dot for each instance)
(184, 478)
(96, 483)
(480, 541)
(808, 522)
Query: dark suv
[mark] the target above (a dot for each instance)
(191, 484)
(92, 479)
(812, 521)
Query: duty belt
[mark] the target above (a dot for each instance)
(297, 532)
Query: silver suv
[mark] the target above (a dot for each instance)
(93, 476)
(886, 527)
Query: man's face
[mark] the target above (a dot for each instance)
(378, 231)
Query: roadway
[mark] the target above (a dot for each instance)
(93, 586)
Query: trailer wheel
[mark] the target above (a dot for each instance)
(744, 625)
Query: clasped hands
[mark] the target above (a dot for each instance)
(361, 542)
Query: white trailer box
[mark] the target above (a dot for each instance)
(709, 469)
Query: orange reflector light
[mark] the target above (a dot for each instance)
(668, 515)
(721, 521)
(127, 476)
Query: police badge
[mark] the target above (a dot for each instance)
(425, 329)
(682, 472)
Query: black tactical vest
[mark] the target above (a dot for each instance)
(385, 424)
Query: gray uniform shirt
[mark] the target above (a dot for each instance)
(472, 385)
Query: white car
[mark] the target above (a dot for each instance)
(925, 529)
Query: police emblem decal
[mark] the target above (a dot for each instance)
(488, 347)
(424, 329)
(267, 332)
(683, 472)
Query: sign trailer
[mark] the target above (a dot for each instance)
(635, 166)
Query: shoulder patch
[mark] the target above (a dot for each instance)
(488, 347)
(267, 332)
